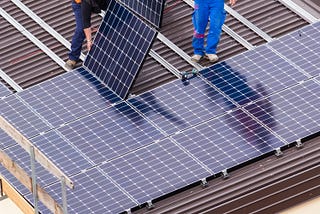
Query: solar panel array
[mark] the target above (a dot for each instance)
(151, 10)
(120, 46)
(123, 153)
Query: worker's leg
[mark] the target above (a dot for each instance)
(217, 18)
(200, 19)
(78, 36)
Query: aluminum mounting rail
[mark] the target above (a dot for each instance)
(10, 81)
(247, 23)
(44, 25)
(299, 10)
(33, 39)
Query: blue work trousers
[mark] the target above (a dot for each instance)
(78, 36)
(203, 11)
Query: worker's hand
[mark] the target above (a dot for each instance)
(233, 2)
(89, 44)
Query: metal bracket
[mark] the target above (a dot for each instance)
(150, 205)
(128, 211)
(225, 174)
(299, 144)
(204, 183)
(278, 152)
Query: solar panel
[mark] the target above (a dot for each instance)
(154, 171)
(228, 140)
(68, 97)
(151, 10)
(5, 140)
(252, 75)
(61, 153)
(4, 91)
(302, 47)
(177, 106)
(95, 193)
(22, 117)
(295, 111)
(110, 133)
(119, 48)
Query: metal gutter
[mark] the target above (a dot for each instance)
(45, 26)
(299, 10)
(33, 39)
(10, 81)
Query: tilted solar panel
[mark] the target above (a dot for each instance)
(120, 46)
(302, 48)
(151, 10)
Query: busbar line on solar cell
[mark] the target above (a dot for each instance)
(173, 107)
(151, 10)
(154, 171)
(302, 48)
(4, 91)
(61, 153)
(68, 97)
(21, 117)
(120, 46)
(94, 193)
(228, 140)
(252, 75)
(293, 114)
(22, 158)
(110, 133)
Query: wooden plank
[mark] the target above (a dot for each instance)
(24, 179)
(9, 191)
(39, 156)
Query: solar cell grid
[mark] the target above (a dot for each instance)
(61, 153)
(119, 48)
(68, 97)
(110, 132)
(175, 106)
(154, 171)
(302, 47)
(21, 117)
(94, 193)
(295, 111)
(228, 140)
(252, 75)
(151, 10)
(4, 91)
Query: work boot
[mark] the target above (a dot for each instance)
(196, 58)
(70, 64)
(212, 57)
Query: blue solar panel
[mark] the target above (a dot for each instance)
(20, 156)
(95, 193)
(151, 10)
(110, 133)
(119, 48)
(5, 140)
(252, 75)
(302, 47)
(21, 117)
(4, 91)
(61, 153)
(68, 97)
(176, 106)
(295, 112)
(228, 140)
(154, 171)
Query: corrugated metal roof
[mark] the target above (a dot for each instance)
(261, 187)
